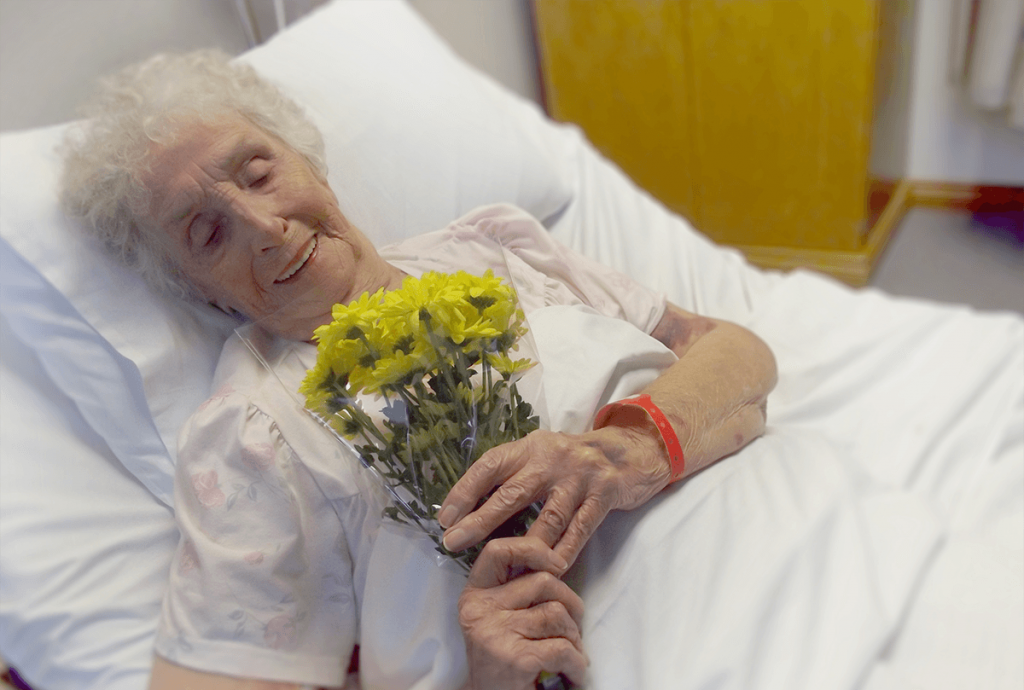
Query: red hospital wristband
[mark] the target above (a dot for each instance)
(668, 434)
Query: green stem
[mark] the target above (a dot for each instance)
(415, 471)
(447, 468)
(489, 403)
(365, 423)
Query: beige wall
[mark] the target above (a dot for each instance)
(493, 35)
(51, 50)
(890, 133)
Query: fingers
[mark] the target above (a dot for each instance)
(548, 620)
(494, 467)
(564, 657)
(579, 478)
(520, 628)
(584, 523)
(535, 589)
(501, 558)
(510, 498)
(557, 513)
(568, 523)
(517, 492)
(517, 664)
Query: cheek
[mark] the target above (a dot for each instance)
(227, 285)
(336, 262)
(320, 203)
(198, 279)
(216, 294)
(332, 221)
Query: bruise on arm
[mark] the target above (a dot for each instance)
(678, 330)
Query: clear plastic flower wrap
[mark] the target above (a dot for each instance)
(420, 382)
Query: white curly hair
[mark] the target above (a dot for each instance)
(148, 103)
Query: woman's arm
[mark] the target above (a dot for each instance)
(168, 676)
(716, 394)
(248, 509)
(713, 396)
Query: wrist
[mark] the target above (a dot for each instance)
(639, 415)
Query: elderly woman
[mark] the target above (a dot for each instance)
(213, 186)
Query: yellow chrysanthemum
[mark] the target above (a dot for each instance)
(508, 367)
(360, 314)
(425, 348)
(426, 440)
(382, 338)
(400, 366)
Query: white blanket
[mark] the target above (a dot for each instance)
(817, 556)
(926, 400)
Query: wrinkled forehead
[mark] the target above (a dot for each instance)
(191, 140)
(196, 151)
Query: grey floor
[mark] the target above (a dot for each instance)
(953, 256)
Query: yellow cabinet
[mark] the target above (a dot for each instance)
(752, 118)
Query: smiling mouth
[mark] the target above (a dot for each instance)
(300, 261)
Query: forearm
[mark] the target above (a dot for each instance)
(715, 395)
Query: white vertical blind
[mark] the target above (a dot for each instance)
(987, 55)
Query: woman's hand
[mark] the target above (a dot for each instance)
(714, 396)
(518, 618)
(581, 477)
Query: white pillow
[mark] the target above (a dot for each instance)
(134, 364)
(86, 547)
(415, 138)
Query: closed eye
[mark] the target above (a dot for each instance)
(216, 235)
(257, 172)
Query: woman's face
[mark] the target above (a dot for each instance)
(256, 229)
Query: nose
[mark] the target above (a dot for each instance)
(266, 228)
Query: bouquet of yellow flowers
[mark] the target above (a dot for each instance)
(437, 354)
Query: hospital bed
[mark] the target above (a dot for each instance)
(873, 538)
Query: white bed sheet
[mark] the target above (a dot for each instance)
(873, 539)
(716, 580)
(922, 403)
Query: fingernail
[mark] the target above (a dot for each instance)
(454, 540)
(560, 563)
(447, 516)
